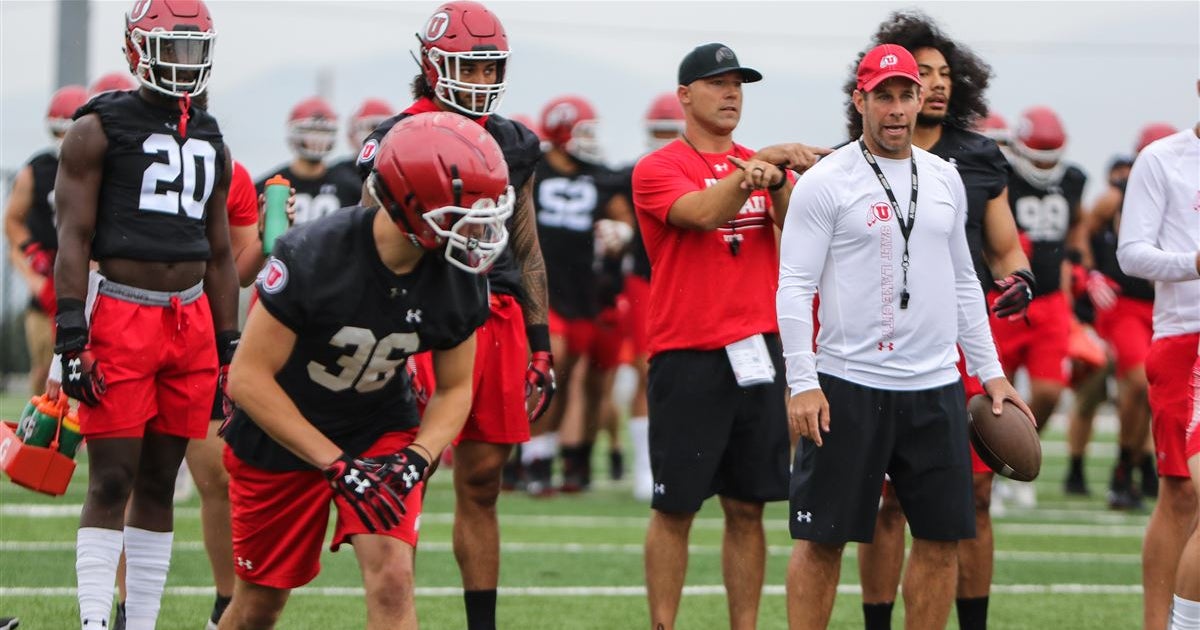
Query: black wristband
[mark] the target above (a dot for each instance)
(227, 343)
(782, 180)
(539, 337)
(72, 326)
(1027, 276)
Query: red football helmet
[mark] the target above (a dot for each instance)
(443, 180)
(1153, 132)
(112, 82)
(365, 119)
(169, 45)
(1038, 146)
(569, 122)
(664, 117)
(312, 129)
(994, 127)
(62, 108)
(463, 31)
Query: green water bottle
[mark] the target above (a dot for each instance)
(69, 437)
(43, 424)
(277, 191)
(25, 422)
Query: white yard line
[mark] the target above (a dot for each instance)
(594, 591)
(633, 550)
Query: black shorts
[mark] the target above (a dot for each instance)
(709, 436)
(919, 438)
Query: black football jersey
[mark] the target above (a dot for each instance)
(40, 221)
(1104, 253)
(315, 198)
(157, 182)
(1046, 216)
(640, 260)
(348, 166)
(985, 174)
(522, 152)
(355, 323)
(567, 208)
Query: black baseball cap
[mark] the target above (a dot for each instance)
(710, 60)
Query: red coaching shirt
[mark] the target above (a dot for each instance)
(242, 202)
(702, 296)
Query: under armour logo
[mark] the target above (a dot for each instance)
(720, 167)
(245, 564)
(414, 316)
(75, 366)
(360, 485)
(889, 346)
(803, 517)
(660, 488)
(410, 476)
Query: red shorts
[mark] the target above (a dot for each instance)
(1172, 401)
(160, 367)
(1041, 345)
(501, 353)
(637, 293)
(1191, 446)
(973, 388)
(279, 518)
(1127, 327)
(599, 339)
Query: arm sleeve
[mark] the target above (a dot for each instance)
(804, 247)
(974, 334)
(657, 186)
(1138, 250)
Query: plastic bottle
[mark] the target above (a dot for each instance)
(69, 438)
(277, 191)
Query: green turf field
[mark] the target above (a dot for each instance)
(575, 562)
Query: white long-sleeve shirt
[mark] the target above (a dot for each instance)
(1160, 230)
(841, 239)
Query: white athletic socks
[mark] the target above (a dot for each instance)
(97, 551)
(539, 447)
(1185, 614)
(643, 479)
(147, 559)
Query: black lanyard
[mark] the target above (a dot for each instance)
(905, 226)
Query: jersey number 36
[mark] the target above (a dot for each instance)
(369, 366)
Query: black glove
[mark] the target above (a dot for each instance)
(1016, 293)
(402, 471)
(81, 376)
(227, 343)
(361, 484)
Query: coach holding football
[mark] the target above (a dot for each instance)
(708, 209)
(881, 394)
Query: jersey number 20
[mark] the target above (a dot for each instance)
(164, 174)
(370, 366)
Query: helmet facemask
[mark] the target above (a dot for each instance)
(312, 139)
(471, 99)
(584, 145)
(1028, 163)
(472, 238)
(174, 63)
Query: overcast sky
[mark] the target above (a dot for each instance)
(1106, 67)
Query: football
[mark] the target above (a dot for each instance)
(1008, 443)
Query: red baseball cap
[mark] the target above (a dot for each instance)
(884, 62)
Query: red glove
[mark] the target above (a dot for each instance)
(359, 482)
(539, 381)
(1102, 290)
(40, 258)
(227, 342)
(1016, 292)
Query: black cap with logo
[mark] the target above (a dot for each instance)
(710, 60)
